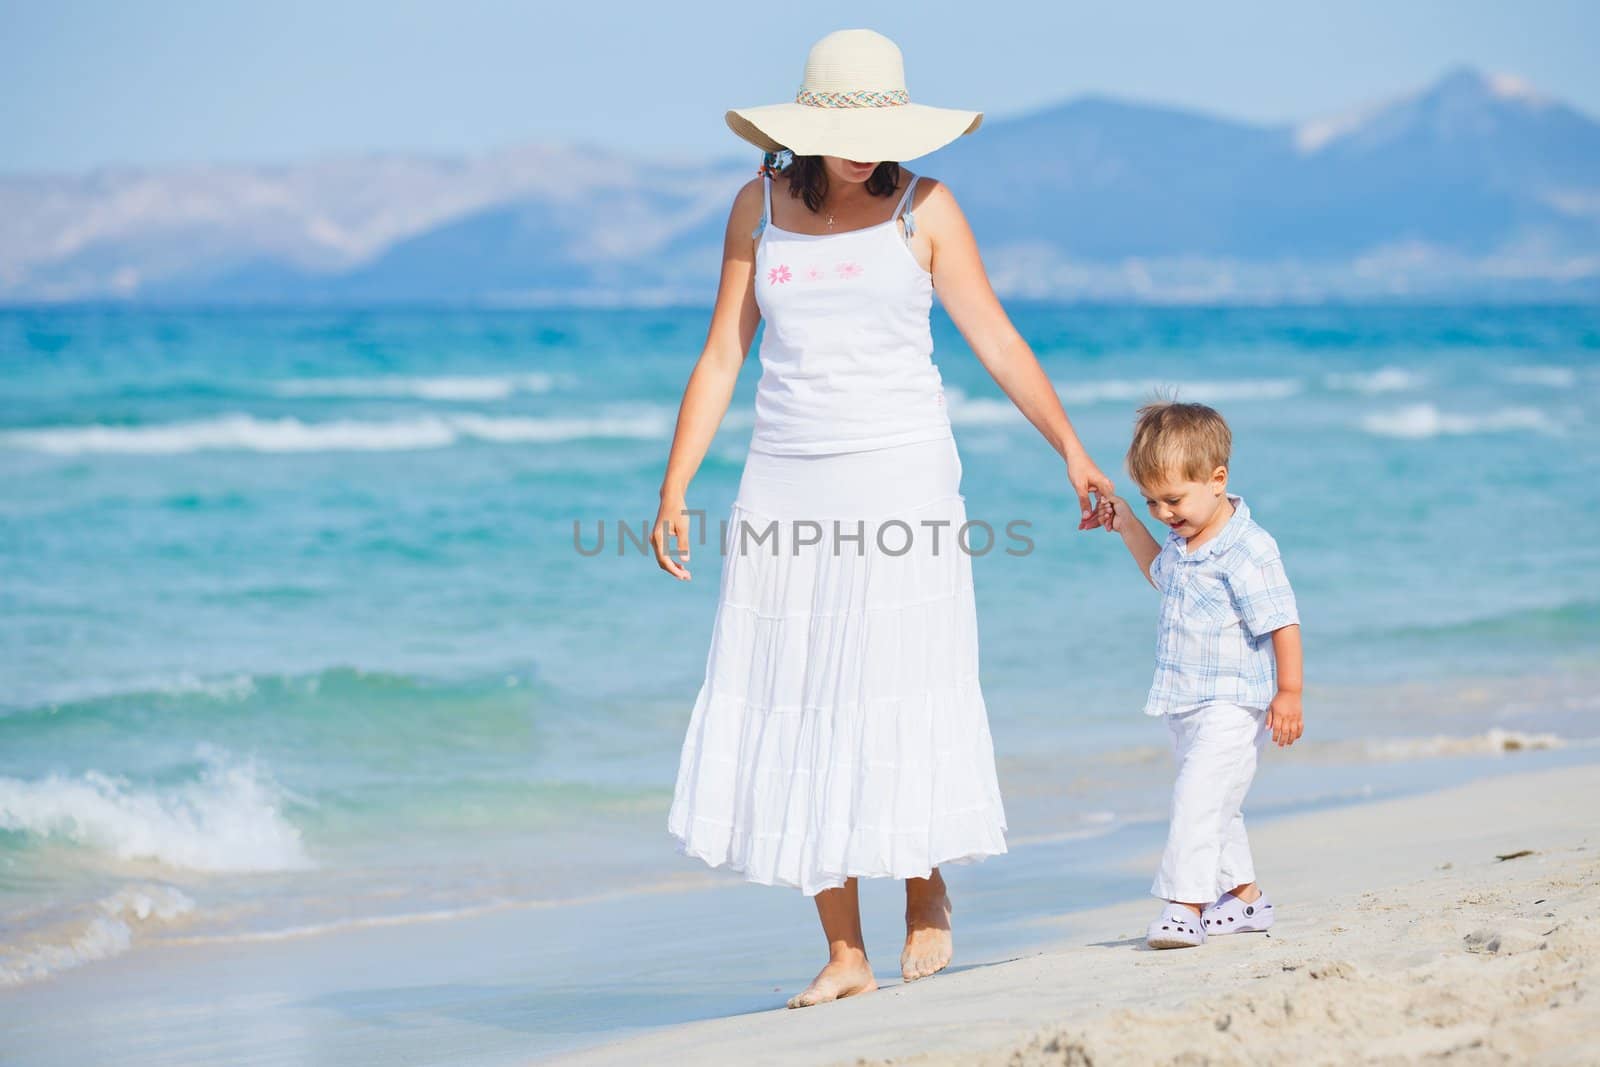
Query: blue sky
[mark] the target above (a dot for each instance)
(87, 84)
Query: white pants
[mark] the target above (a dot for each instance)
(1207, 852)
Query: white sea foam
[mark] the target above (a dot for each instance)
(479, 388)
(232, 688)
(982, 411)
(1425, 420)
(1493, 741)
(248, 433)
(109, 933)
(1090, 825)
(988, 411)
(228, 819)
(222, 688)
(1383, 380)
(684, 882)
(1550, 377)
(1205, 392)
(646, 424)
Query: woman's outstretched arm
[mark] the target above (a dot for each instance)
(964, 290)
(711, 384)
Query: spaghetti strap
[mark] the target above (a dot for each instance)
(903, 210)
(766, 208)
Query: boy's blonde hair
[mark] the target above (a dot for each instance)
(1173, 440)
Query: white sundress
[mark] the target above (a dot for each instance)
(840, 730)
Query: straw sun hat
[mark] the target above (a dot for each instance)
(853, 104)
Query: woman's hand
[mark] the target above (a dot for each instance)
(1086, 478)
(672, 521)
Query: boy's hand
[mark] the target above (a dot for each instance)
(1114, 515)
(1283, 718)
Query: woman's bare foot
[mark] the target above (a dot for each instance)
(846, 974)
(928, 943)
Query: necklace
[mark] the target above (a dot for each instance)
(829, 210)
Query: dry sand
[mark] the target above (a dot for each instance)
(1401, 937)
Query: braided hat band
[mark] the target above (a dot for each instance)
(853, 98)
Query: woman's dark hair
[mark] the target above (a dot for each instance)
(808, 180)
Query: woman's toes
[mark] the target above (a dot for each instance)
(811, 995)
(927, 952)
(804, 999)
(835, 982)
(928, 941)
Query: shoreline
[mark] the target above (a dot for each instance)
(513, 985)
(1402, 934)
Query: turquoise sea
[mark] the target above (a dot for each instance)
(301, 627)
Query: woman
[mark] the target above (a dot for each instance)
(841, 732)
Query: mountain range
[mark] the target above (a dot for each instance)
(1474, 187)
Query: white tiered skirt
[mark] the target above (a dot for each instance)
(840, 731)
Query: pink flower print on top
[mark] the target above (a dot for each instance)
(779, 274)
(848, 271)
(816, 274)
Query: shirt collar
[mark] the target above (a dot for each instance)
(1231, 531)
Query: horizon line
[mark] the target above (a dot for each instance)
(736, 155)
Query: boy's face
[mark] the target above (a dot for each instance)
(1187, 507)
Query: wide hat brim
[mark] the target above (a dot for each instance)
(862, 134)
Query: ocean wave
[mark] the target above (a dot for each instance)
(110, 932)
(337, 706)
(1383, 380)
(228, 819)
(249, 433)
(69, 695)
(228, 688)
(1090, 825)
(670, 884)
(1353, 750)
(467, 388)
(1205, 392)
(988, 411)
(1549, 377)
(983, 411)
(1557, 622)
(1419, 421)
(1494, 741)
(55, 699)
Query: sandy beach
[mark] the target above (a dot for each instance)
(1461, 925)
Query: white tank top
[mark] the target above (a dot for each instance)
(847, 357)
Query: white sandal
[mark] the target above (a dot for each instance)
(1230, 915)
(1178, 927)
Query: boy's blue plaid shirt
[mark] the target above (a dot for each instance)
(1219, 607)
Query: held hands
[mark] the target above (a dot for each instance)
(1114, 515)
(1086, 478)
(672, 521)
(1283, 718)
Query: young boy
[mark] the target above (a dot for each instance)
(1228, 670)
